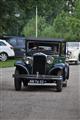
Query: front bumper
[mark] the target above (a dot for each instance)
(38, 77)
(71, 59)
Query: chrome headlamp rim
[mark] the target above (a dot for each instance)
(29, 60)
(50, 59)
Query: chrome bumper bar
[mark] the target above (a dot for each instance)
(38, 77)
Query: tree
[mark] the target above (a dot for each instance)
(8, 19)
(67, 26)
(46, 8)
(18, 17)
(30, 28)
(77, 9)
(70, 6)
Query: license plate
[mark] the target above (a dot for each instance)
(37, 81)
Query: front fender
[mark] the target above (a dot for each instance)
(55, 69)
(58, 68)
(23, 67)
(64, 68)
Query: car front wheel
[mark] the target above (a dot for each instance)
(17, 81)
(3, 56)
(65, 83)
(25, 83)
(59, 85)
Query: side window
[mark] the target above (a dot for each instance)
(63, 49)
(55, 48)
(13, 42)
(21, 42)
(2, 44)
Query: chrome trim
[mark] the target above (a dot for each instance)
(39, 77)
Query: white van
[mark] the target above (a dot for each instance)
(73, 52)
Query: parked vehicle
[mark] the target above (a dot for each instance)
(73, 52)
(44, 63)
(6, 50)
(73, 56)
(18, 42)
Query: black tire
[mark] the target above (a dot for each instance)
(76, 62)
(65, 83)
(17, 82)
(3, 56)
(25, 83)
(67, 73)
(79, 57)
(59, 86)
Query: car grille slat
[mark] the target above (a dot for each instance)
(39, 64)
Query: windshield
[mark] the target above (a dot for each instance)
(53, 48)
(73, 45)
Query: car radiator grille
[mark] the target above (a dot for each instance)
(39, 64)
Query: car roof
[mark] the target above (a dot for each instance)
(5, 42)
(11, 37)
(45, 39)
(2, 40)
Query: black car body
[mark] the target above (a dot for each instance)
(44, 62)
(18, 43)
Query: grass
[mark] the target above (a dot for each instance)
(8, 63)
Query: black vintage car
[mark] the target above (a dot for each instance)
(44, 62)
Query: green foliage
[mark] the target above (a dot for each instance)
(46, 8)
(77, 9)
(67, 26)
(60, 24)
(30, 28)
(47, 31)
(10, 24)
(8, 63)
(18, 17)
(26, 9)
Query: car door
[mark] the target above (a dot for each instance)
(5, 48)
(19, 44)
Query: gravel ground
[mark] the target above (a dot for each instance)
(37, 102)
